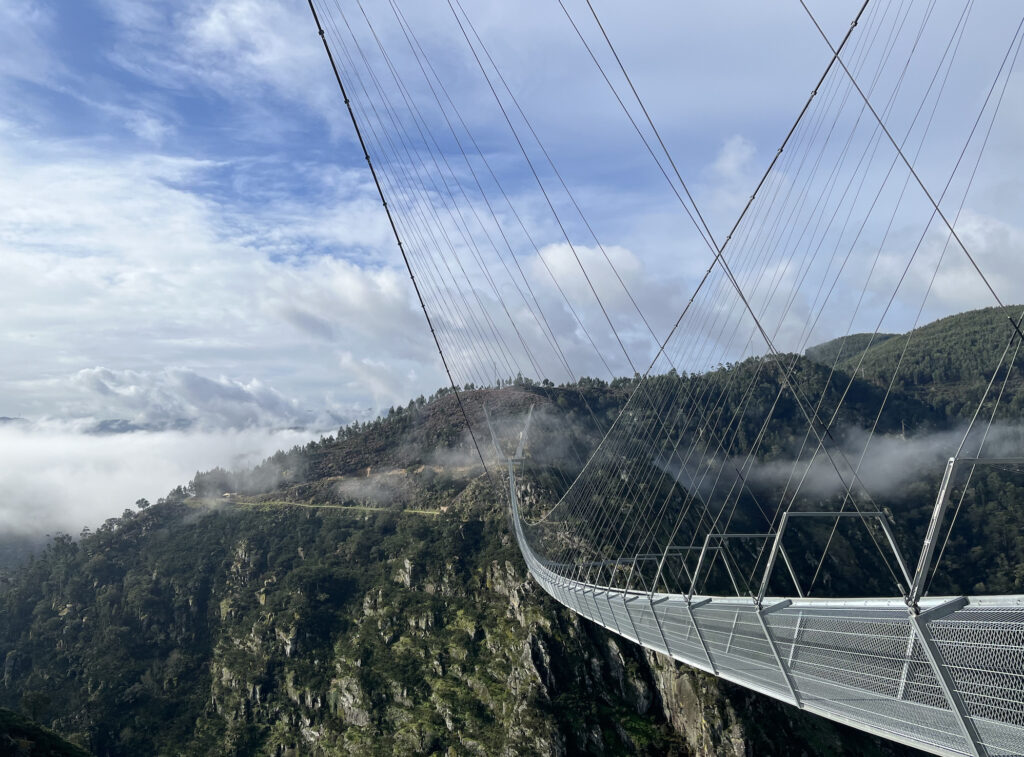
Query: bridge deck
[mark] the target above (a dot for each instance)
(849, 665)
(856, 661)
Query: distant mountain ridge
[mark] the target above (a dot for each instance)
(844, 348)
(947, 362)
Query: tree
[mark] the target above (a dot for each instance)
(35, 704)
(142, 503)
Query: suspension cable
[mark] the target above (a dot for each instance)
(398, 239)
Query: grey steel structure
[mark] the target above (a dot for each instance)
(943, 674)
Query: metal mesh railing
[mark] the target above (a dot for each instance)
(857, 661)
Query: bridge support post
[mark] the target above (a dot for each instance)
(608, 605)
(932, 536)
(919, 622)
(796, 638)
(723, 552)
(597, 608)
(654, 617)
(761, 612)
(905, 673)
(938, 515)
(690, 606)
(657, 622)
(632, 625)
(696, 571)
(732, 631)
(778, 550)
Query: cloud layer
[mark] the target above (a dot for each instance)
(58, 478)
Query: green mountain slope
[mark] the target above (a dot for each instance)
(947, 363)
(845, 348)
(20, 737)
(280, 624)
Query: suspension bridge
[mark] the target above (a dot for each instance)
(739, 511)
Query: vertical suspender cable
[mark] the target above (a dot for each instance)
(902, 156)
(398, 238)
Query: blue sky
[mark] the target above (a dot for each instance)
(191, 241)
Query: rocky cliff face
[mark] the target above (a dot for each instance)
(290, 631)
(443, 653)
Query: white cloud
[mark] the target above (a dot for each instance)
(54, 477)
(23, 26)
(728, 181)
(138, 263)
(261, 57)
(996, 247)
(178, 396)
(146, 126)
(733, 161)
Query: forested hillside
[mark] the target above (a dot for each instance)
(195, 628)
(362, 594)
(947, 363)
(20, 737)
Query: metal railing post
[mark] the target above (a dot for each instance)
(792, 573)
(723, 551)
(761, 612)
(938, 514)
(772, 556)
(905, 673)
(700, 637)
(625, 607)
(732, 630)
(696, 571)
(597, 607)
(657, 622)
(919, 622)
(895, 549)
(796, 638)
(931, 537)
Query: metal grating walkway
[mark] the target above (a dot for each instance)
(949, 681)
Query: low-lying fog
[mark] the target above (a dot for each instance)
(55, 477)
